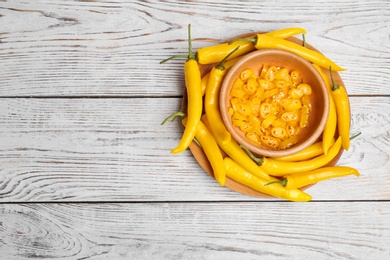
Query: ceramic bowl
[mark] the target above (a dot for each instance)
(319, 99)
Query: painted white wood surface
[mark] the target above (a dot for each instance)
(116, 150)
(237, 230)
(85, 169)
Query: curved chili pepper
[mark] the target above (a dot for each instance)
(341, 102)
(262, 41)
(203, 83)
(215, 53)
(211, 150)
(240, 175)
(310, 152)
(286, 32)
(331, 123)
(211, 101)
(280, 168)
(233, 150)
(299, 180)
(228, 64)
(194, 99)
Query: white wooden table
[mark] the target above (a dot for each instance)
(85, 168)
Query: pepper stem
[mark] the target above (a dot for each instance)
(176, 114)
(257, 160)
(190, 56)
(282, 181)
(250, 39)
(335, 86)
(173, 116)
(304, 40)
(174, 57)
(354, 136)
(220, 65)
(190, 53)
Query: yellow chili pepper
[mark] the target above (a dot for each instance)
(194, 99)
(310, 152)
(240, 175)
(203, 83)
(262, 41)
(299, 180)
(215, 53)
(280, 168)
(233, 149)
(286, 32)
(331, 123)
(211, 150)
(211, 101)
(228, 64)
(341, 102)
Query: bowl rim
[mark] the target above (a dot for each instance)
(225, 90)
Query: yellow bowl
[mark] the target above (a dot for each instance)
(319, 98)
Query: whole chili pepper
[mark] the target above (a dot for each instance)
(233, 150)
(341, 102)
(262, 41)
(286, 32)
(203, 83)
(194, 98)
(280, 168)
(215, 53)
(331, 123)
(228, 64)
(240, 175)
(299, 180)
(310, 152)
(211, 150)
(211, 101)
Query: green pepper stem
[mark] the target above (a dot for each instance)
(173, 116)
(220, 65)
(174, 57)
(197, 142)
(176, 114)
(258, 160)
(190, 53)
(250, 39)
(282, 181)
(304, 40)
(354, 136)
(335, 86)
(190, 56)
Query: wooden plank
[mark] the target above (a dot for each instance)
(116, 150)
(240, 230)
(88, 48)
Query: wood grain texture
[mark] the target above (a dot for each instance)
(85, 168)
(100, 48)
(98, 150)
(240, 230)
